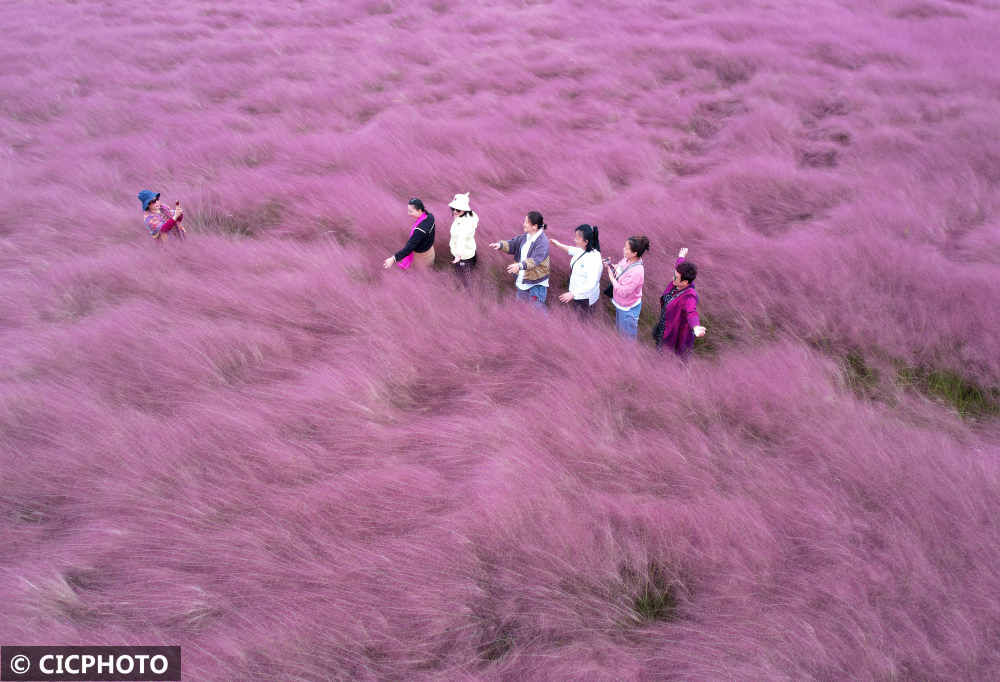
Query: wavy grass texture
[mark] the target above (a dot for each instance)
(259, 445)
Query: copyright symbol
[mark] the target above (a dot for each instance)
(20, 664)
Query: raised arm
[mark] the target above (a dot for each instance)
(681, 255)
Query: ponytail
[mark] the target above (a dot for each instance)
(535, 218)
(639, 245)
(589, 234)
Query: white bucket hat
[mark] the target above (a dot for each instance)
(460, 202)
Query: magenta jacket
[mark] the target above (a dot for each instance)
(679, 318)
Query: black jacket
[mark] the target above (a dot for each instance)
(420, 241)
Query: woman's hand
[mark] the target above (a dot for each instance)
(388, 262)
(455, 260)
(682, 253)
(699, 331)
(566, 298)
(513, 268)
(495, 245)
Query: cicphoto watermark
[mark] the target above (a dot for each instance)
(99, 663)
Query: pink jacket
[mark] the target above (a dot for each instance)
(628, 291)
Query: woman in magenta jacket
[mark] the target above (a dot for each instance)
(679, 321)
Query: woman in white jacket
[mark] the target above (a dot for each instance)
(585, 268)
(463, 235)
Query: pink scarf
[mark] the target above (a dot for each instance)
(408, 261)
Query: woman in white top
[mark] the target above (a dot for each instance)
(463, 235)
(585, 268)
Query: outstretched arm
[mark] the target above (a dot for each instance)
(691, 310)
(564, 247)
(418, 234)
(511, 246)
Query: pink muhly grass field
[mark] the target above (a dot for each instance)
(259, 445)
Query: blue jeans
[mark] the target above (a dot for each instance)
(627, 321)
(535, 295)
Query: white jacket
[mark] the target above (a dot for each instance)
(463, 236)
(585, 274)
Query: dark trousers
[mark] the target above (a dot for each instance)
(583, 308)
(464, 268)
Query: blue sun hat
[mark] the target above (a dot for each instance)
(147, 197)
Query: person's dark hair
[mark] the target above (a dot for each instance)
(589, 235)
(417, 204)
(688, 271)
(639, 245)
(535, 218)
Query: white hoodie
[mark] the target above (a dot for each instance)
(463, 236)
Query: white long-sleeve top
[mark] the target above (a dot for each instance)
(585, 274)
(463, 236)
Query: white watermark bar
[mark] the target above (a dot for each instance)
(97, 663)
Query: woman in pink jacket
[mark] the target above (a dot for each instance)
(626, 284)
(679, 321)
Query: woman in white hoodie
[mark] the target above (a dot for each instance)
(584, 268)
(463, 235)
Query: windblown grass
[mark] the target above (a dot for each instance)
(261, 446)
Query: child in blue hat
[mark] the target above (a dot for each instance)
(159, 219)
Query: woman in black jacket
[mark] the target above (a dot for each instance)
(419, 248)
